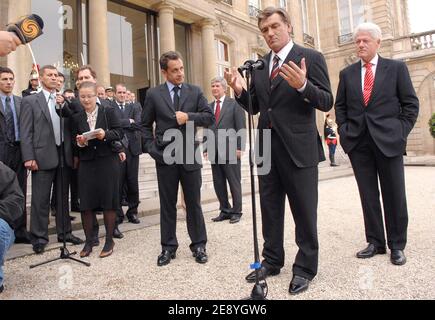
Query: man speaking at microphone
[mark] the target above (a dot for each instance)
(286, 92)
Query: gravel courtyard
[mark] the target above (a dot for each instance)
(132, 273)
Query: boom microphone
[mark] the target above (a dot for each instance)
(27, 28)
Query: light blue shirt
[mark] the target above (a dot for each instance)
(14, 112)
(171, 90)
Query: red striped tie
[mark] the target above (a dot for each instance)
(368, 83)
(275, 68)
(217, 111)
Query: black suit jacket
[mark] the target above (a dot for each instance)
(106, 120)
(3, 136)
(132, 138)
(11, 197)
(391, 111)
(159, 109)
(292, 114)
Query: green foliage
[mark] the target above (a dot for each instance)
(432, 125)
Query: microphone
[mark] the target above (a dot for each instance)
(246, 66)
(258, 65)
(27, 28)
(251, 65)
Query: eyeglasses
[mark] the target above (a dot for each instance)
(87, 97)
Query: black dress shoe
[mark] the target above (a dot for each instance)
(165, 257)
(38, 248)
(71, 239)
(370, 251)
(235, 217)
(263, 273)
(221, 217)
(124, 203)
(132, 218)
(200, 255)
(397, 257)
(117, 234)
(2, 287)
(72, 218)
(298, 284)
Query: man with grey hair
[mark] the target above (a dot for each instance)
(225, 150)
(376, 109)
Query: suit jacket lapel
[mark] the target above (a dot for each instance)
(224, 108)
(183, 95)
(44, 106)
(356, 74)
(101, 119)
(294, 55)
(2, 108)
(164, 91)
(17, 105)
(380, 78)
(263, 75)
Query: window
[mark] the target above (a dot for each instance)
(351, 14)
(64, 43)
(132, 50)
(254, 8)
(223, 60)
(283, 4)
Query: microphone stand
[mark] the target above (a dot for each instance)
(258, 292)
(64, 252)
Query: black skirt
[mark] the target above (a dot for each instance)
(98, 181)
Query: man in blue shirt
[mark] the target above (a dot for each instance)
(10, 153)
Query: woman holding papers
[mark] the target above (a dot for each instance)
(94, 129)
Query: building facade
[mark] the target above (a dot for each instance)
(123, 40)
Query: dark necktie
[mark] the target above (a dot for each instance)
(10, 124)
(217, 111)
(368, 83)
(275, 68)
(176, 98)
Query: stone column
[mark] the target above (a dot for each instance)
(20, 61)
(98, 41)
(208, 55)
(166, 27)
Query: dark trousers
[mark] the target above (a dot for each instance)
(368, 164)
(129, 171)
(42, 180)
(168, 177)
(300, 187)
(14, 161)
(231, 173)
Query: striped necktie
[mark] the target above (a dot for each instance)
(368, 83)
(275, 68)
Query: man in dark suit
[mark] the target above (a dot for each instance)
(41, 139)
(130, 117)
(175, 107)
(225, 150)
(287, 92)
(11, 211)
(10, 153)
(376, 109)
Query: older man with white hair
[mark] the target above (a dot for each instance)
(376, 108)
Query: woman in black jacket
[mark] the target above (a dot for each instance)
(98, 173)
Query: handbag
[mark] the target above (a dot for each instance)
(115, 145)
